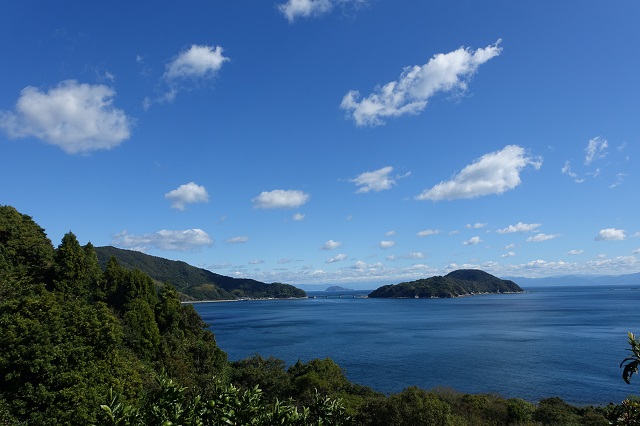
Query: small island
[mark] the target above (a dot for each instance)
(462, 282)
(338, 288)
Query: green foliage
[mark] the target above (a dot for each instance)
(456, 283)
(25, 250)
(554, 411)
(268, 374)
(632, 362)
(171, 404)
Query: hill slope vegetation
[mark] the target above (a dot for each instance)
(463, 282)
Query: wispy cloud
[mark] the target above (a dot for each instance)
(188, 193)
(428, 232)
(566, 170)
(337, 258)
(596, 149)
(575, 252)
(476, 225)
(519, 227)
(189, 69)
(611, 234)
(472, 241)
(508, 254)
(294, 9)
(542, 237)
(331, 245)
(444, 72)
(237, 240)
(298, 217)
(493, 173)
(386, 244)
(76, 117)
(377, 180)
(183, 240)
(280, 199)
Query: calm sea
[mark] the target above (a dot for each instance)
(565, 342)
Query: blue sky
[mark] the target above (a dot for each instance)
(329, 141)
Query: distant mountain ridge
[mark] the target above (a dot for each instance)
(462, 282)
(196, 283)
(579, 280)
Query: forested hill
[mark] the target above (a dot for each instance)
(196, 283)
(463, 282)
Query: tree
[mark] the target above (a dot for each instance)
(70, 273)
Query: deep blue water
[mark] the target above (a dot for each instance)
(565, 342)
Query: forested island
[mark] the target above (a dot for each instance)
(463, 282)
(83, 344)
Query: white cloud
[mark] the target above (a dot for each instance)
(293, 9)
(78, 118)
(619, 179)
(509, 246)
(183, 240)
(445, 72)
(237, 240)
(386, 244)
(575, 252)
(428, 232)
(611, 234)
(636, 251)
(636, 235)
(476, 225)
(472, 241)
(377, 180)
(542, 237)
(390, 233)
(298, 217)
(330, 245)
(188, 193)
(596, 149)
(493, 173)
(337, 258)
(280, 199)
(566, 170)
(519, 227)
(256, 262)
(199, 62)
(415, 255)
(508, 254)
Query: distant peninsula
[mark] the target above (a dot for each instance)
(463, 282)
(193, 283)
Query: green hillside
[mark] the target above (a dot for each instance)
(463, 282)
(196, 283)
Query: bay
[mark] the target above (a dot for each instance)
(565, 342)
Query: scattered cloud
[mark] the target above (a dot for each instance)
(596, 149)
(508, 254)
(280, 199)
(619, 179)
(636, 235)
(444, 72)
(330, 245)
(415, 255)
(566, 170)
(237, 240)
(636, 251)
(542, 237)
(377, 180)
(472, 241)
(183, 240)
(188, 193)
(493, 173)
(337, 258)
(294, 9)
(76, 117)
(428, 232)
(390, 233)
(611, 234)
(386, 244)
(298, 217)
(575, 252)
(509, 246)
(190, 68)
(476, 225)
(256, 262)
(519, 227)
